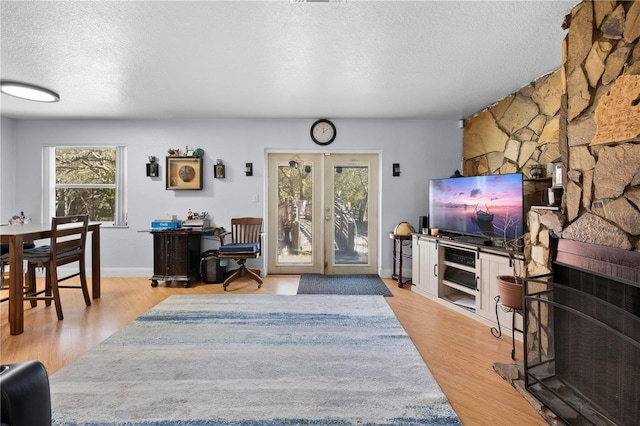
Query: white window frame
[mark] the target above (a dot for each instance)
(49, 183)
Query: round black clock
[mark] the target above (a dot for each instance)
(323, 132)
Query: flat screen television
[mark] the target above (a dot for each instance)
(484, 206)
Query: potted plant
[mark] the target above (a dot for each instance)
(510, 286)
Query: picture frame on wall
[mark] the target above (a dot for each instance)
(184, 173)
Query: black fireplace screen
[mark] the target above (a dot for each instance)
(582, 353)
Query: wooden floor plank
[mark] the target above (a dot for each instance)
(459, 351)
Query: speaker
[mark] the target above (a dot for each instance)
(423, 224)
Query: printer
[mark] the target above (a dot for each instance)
(197, 224)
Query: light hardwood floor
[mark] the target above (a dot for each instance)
(459, 351)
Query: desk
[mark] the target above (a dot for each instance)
(15, 235)
(176, 256)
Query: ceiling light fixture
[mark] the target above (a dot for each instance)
(27, 91)
(317, 1)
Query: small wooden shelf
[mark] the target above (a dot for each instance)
(554, 208)
(463, 301)
(460, 266)
(460, 287)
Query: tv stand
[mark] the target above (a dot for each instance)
(479, 241)
(458, 278)
(460, 272)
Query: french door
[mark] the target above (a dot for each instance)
(322, 213)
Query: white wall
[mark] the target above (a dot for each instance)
(8, 177)
(424, 149)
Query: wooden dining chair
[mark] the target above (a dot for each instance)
(245, 242)
(67, 245)
(4, 261)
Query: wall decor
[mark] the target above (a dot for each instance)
(152, 167)
(218, 169)
(323, 132)
(184, 173)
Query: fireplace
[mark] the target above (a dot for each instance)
(582, 340)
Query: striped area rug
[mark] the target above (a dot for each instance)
(254, 360)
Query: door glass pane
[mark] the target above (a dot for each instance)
(351, 221)
(295, 219)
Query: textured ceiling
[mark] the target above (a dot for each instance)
(276, 59)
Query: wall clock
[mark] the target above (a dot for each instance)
(323, 132)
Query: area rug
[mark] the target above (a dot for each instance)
(254, 360)
(343, 284)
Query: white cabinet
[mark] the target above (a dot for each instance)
(415, 265)
(429, 259)
(492, 265)
(461, 275)
(458, 282)
(425, 265)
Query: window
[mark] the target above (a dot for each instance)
(86, 180)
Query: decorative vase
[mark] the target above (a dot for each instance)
(535, 171)
(510, 291)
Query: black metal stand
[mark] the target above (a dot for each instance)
(399, 257)
(497, 332)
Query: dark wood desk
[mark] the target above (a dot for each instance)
(15, 235)
(176, 255)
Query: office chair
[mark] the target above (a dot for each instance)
(246, 236)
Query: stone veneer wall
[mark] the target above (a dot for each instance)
(512, 135)
(595, 130)
(539, 247)
(516, 132)
(601, 57)
(555, 116)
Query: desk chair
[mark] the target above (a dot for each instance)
(246, 235)
(68, 238)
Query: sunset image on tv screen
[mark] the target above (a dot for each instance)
(489, 206)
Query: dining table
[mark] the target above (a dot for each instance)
(17, 234)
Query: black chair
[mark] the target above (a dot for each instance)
(246, 235)
(68, 241)
(25, 394)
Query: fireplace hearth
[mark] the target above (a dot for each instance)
(582, 339)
